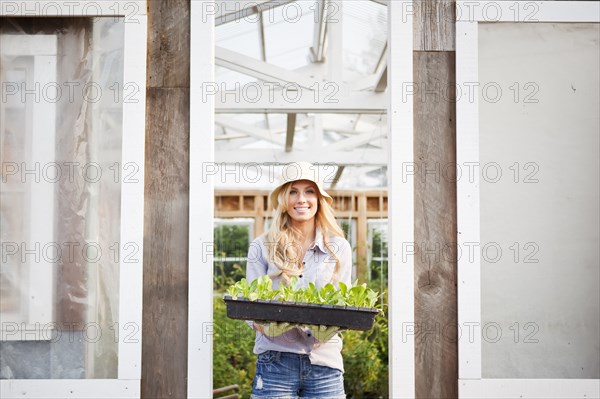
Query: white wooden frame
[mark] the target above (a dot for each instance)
(202, 192)
(127, 385)
(401, 208)
(39, 275)
(468, 15)
(401, 308)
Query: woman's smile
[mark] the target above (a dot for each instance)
(303, 201)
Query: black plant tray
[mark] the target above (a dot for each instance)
(346, 317)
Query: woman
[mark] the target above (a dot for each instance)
(304, 241)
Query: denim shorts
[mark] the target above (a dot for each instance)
(290, 376)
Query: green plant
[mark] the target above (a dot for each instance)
(233, 360)
(365, 356)
(231, 243)
(366, 360)
(262, 288)
(365, 352)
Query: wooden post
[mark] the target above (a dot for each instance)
(436, 346)
(259, 217)
(164, 346)
(361, 239)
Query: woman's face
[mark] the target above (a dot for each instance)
(303, 201)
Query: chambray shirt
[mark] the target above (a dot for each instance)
(319, 266)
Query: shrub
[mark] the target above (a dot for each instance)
(366, 360)
(233, 360)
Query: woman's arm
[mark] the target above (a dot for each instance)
(345, 255)
(256, 265)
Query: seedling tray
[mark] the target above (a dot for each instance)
(346, 317)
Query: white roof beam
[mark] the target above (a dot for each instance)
(278, 128)
(291, 130)
(230, 136)
(382, 82)
(381, 71)
(360, 157)
(229, 11)
(336, 129)
(317, 130)
(263, 51)
(253, 131)
(261, 70)
(261, 34)
(320, 31)
(356, 141)
(261, 98)
(234, 145)
(382, 59)
(335, 41)
(338, 175)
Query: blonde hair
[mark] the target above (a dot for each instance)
(283, 240)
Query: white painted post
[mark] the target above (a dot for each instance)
(200, 319)
(467, 156)
(401, 206)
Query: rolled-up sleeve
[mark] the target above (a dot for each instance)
(256, 265)
(345, 272)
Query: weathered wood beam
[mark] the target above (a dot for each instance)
(166, 209)
(436, 340)
(361, 239)
(435, 231)
(433, 25)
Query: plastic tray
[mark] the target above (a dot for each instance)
(347, 317)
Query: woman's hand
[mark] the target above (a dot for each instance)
(273, 329)
(322, 333)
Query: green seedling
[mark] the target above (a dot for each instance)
(262, 288)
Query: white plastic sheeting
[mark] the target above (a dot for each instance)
(60, 130)
(539, 163)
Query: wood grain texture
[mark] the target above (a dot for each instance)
(434, 26)
(166, 212)
(164, 347)
(436, 349)
(168, 43)
(361, 239)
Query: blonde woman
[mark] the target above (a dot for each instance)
(305, 241)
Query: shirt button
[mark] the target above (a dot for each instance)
(300, 276)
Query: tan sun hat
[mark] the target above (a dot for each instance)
(299, 171)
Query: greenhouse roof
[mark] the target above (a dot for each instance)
(301, 80)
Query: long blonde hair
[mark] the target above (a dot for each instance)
(283, 239)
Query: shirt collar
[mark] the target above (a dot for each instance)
(318, 241)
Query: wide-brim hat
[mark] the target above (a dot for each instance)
(299, 171)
